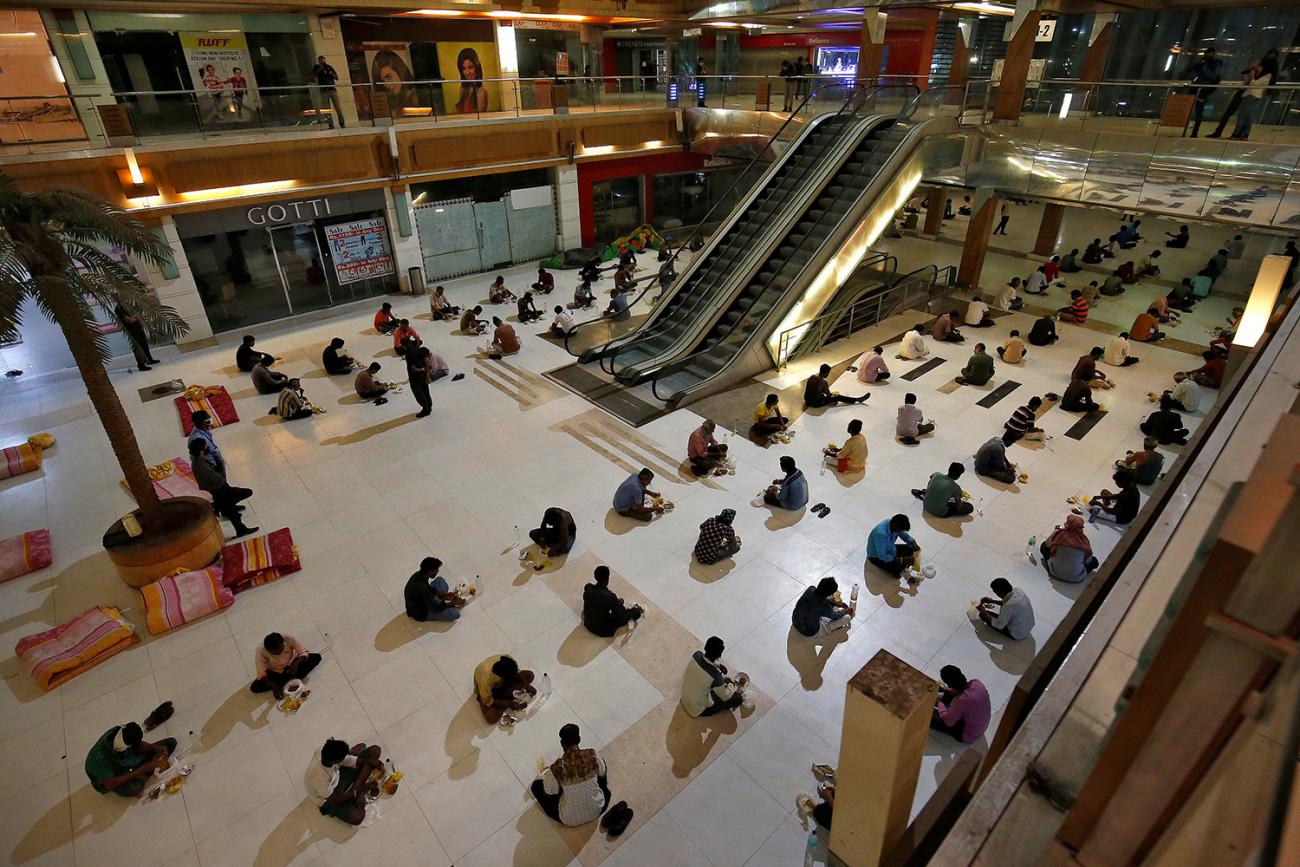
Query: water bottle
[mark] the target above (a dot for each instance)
(810, 851)
(1031, 546)
(546, 688)
(853, 598)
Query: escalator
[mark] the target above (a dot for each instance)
(739, 246)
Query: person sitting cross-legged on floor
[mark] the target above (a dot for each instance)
(910, 424)
(385, 321)
(280, 659)
(1165, 424)
(1021, 424)
(977, 313)
(789, 492)
(1117, 352)
(704, 451)
(991, 459)
(768, 419)
(885, 553)
(528, 311)
(1013, 350)
(339, 777)
(440, 309)
(123, 762)
(293, 403)
(816, 613)
(852, 456)
(369, 388)
(943, 329)
(334, 360)
(1144, 465)
(1086, 369)
(913, 345)
(1008, 610)
(1185, 394)
(1043, 332)
(563, 322)
(871, 366)
(718, 539)
(428, 597)
(545, 281)
(1118, 508)
(1078, 397)
(963, 710)
(470, 323)
(1077, 311)
(817, 391)
(246, 356)
(706, 689)
(603, 612)
(629, 499)
(1146, 327)
(557, 533)
(504, 340)
(498, 293)
(979, 369)
(266, 380)
(573, 789)
(496, 681)
(942, 495)
(405, 337)
(1067, 553)
(1211, 373)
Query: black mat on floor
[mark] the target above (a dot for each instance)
(164, 389)
(609, 396)
(997, 394)
(917, 372)
(1081, 427)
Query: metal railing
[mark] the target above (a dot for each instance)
(907, 291)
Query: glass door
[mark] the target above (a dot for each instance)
(616, 207)
(302, 267)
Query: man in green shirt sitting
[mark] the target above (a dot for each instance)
(979, 370)
(942, 495)
(122, 761)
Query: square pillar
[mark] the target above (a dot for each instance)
(934, 210)
(886, 723)
(976, 246)
(1015, 66)
(174, 285)
(327, 40)
(1049, 229)
(871, 46)
(406, 240)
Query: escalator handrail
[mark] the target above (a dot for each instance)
(705, 220)
(855, 92)
(700, 290)
(823, 324)
(702, 299)
(674, 366)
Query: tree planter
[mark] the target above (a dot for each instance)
(190, 538)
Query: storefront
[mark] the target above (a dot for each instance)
(668, 191)
(190, 73)
(645, 60)
(267, 261)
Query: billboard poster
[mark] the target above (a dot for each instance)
(474, 64)
(359, 249)
(389, 67)
(223, 76)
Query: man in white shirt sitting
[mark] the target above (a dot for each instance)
(1008, 297)
(706, 689)
(573, 790)
(563, 323)
(338, 778)
(1116, 354)
(1037, 283)
(977, 313)
(1186, 394)
(913, 345)
(1009, 611)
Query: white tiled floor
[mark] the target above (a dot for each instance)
(369, 490)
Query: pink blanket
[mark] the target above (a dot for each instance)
(174, 478)
(24, 553)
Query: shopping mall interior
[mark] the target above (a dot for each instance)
(950, 527)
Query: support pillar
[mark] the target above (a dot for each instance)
(976, 245)
(1049, 229)
(871, 46)
(327, 40)
(1015, 65)
(959, 70)
(406, 241)
(173, 283)
(934, 210)
(888, 706)
(1100, 39)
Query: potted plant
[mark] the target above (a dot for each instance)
(52, 252)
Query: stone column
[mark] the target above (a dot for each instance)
(1100, 39)
(1049, 229)
(508, 58)
(976, 246)
(1015, 66)
(327, 39)
(568, 215)
(934, 210)
(871, 46)
(174, 285)
(886, 723)
(406, 247)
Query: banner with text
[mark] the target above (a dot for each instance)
(223, 76)
(359, 249)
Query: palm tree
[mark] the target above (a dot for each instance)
(52, 251)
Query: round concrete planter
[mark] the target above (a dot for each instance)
(192, 539)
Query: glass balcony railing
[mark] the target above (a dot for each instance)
(43, 123)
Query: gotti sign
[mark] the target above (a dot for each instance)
(307, 209)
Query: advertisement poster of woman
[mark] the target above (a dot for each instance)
(389, 65)
(475, 65)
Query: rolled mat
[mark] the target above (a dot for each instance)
(24, 553)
